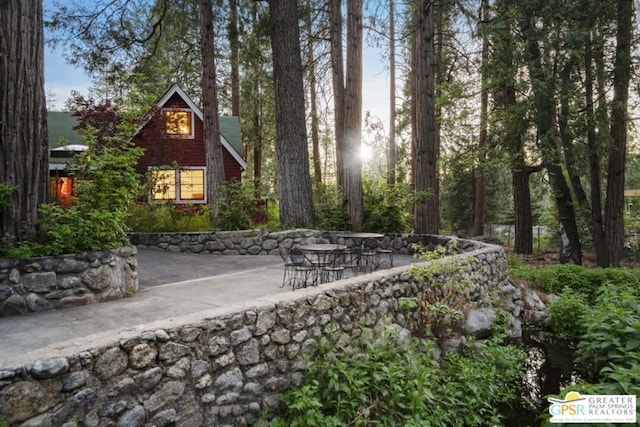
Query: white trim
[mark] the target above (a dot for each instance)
(177, 89)
(238, 158)
(177, 185)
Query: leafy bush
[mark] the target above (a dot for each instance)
(392, 381)
(567, 314)
(518, 268)
(237, 206)
(386, 209)
(608, 354)
(612, 336)
(587, 281)
(331, 212)
(105, 183)
(167, 217)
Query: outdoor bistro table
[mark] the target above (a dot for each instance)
(321, 250)
(320, 255)
(358, 238)
(363, 258)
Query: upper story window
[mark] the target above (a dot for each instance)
(178, 122)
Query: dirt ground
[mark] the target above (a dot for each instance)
(541, 258)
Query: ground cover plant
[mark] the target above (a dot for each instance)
(389, 380)
(597, 312)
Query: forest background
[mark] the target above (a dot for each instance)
(502, 111)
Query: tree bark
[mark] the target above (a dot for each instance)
(392, 155)
(479, 196)
(614, 204)
(211, 125)
(235, 57)
(545, 108)
(24, 145)
(593, 143)
(424, 121)
(313, 106)
(353, 114)
(339, 102)
(294, 181)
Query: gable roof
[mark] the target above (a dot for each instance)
(230, 135)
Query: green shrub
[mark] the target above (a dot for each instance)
(237, 206)
(106, 184)
(331, 212)
(587, 281)
(519, 269)
(386, 209)
(612, 331)
(608, 354)
(567, 314)
(391, 381)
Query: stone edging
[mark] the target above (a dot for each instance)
(63, 281)
(223, 366)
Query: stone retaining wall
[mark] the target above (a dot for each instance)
(263, 242)
(63, 281)
(224, 366)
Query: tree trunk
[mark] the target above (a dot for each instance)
(24, 145)
(545, 109)
(503, 71)
(313, 106)
(211, 126)
(614, 204)
(353, 115)
(257, 141)
(595, 172)
(424, 138)
(235, 58)
(392, 156)
(479, 195)
(294, 181)
(339, 101)
(523, 242)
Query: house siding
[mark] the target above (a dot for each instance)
(183, 152)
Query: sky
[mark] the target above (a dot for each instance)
(61, 78)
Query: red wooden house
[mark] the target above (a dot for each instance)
(175, 154)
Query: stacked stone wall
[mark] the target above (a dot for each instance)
(64, 281)
(264, 242)
(224, 366)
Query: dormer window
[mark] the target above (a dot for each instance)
(178, 122)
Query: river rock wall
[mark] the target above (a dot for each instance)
(225, 366)
(63, 281)
(264, 242)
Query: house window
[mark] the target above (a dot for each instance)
(185, 185)
(178, 123)
(62, 188)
